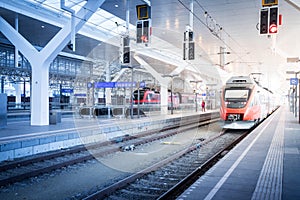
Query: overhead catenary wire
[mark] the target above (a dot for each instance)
(214, 28)
(223, 29)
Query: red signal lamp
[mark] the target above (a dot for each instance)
(273, 28)
(144, 38)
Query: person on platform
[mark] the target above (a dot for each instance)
(203, 106)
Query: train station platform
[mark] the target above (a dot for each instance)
(265, 165)
(20, 139)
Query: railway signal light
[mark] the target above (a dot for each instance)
(273, 28)
(126, 55)
(188, 46)
(264, 15)
(269, 20)
(146, 31)
(191, 51)
(125, 50)
(191, 36)
(273, 22)
(139, 31)
(188, 36)
(143, 31)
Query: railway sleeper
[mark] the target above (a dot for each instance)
(136, 195)
(149, 189)
(154, 181)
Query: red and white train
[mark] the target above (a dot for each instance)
(148, 97)
(244, 103)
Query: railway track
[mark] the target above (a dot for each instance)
(14, 171)
(170, 177)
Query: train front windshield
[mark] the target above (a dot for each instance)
(236, 98)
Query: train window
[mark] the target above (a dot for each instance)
(236, 98)
(237, 94)
(149, 96)
(155, 97)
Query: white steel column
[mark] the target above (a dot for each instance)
(16, 49)
(17, 86)
(164, 98)
(39, 100)
(107, 90)
(18, 89)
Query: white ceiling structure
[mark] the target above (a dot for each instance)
(231, 24)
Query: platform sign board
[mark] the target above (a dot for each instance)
(104, 84)
(80, 95)
(143, 11)
(125, 84)
(114, 84)
(67, 90)
(294, 81)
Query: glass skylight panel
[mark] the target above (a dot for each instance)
(77, 6)
(104, 20)
(54, 5)
(101, 19)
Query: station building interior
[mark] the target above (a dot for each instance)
(73, 48)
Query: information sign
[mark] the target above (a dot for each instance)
(104, 84)
(125, 84)
(80, 95)
(294, 81)
(115, 84)
(269, 2)
(143, 11)
(67, 90)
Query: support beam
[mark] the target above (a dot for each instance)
(62, 38)
(152, 71)
(18, 40)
